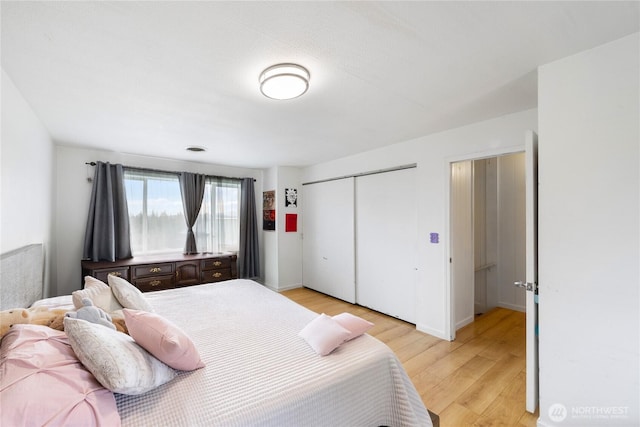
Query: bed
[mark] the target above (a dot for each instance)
(258, 370)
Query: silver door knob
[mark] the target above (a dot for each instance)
(527, 285)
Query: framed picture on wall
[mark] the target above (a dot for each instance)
(291, 198)
(268, 210)
(290, 223)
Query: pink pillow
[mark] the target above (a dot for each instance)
(354, 324)
(43, 383)
(324, 334)
(167, 342)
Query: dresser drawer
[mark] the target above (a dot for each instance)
(104, 274)
(156, 283)
(209, 276)
(147, 270)
(215, 263)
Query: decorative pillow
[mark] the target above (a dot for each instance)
(42, 382)
(324, 334)
(128, 295)
(354, 324)
(99, 293)
(116, 361)
(63, 301)
(162, 339)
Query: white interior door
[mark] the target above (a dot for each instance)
(328, 249)
(531, 284)
(386, 242)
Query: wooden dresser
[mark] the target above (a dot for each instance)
(157, 272)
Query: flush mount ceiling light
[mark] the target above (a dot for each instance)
(284, 81)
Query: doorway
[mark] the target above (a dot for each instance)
(487, 235)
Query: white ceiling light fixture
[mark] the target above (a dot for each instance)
(284, 81)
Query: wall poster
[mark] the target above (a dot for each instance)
(268, 210)
(291, 223)
(291, 198)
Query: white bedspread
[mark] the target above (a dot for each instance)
(259, 372)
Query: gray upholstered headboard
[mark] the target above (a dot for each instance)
(21, 276)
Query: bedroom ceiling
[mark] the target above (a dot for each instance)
(152, 78)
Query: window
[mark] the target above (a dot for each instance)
(157, 220)
(218, 227)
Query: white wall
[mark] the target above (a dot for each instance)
(511, 231)
(26, 150)
(432, 154)
(283, 251)
(589, 236)
(499, 235)
(461, 243)
(270, 237)
(74, 192)
(485, 216)
(289, 244)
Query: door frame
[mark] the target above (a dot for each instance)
(450, 327)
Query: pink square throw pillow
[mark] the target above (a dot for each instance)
(42, 382)
(163, 339)
(356, 325)
(324, 334)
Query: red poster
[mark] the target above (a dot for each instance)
(291, 222)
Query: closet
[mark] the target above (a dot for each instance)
(328, 245)
(360, 240)
(487, 230)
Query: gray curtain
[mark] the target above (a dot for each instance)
(192, 190)
(248, 252)
(107, 234)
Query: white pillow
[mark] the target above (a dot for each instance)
(114, 358)
(128, 295)
(99, 293)
(324, 334)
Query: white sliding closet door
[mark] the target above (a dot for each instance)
(386, 242)
(328, 264)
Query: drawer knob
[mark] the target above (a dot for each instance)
(217, 263)
(115, 273)
(217, 274)
(155, 282)
(155, 270)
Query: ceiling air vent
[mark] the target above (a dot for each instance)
(195, 149)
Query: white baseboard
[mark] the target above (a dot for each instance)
(436, 333)
(465, 322)
(513, 307)
(287, 288)
(279, 289)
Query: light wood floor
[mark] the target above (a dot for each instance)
(476, 380)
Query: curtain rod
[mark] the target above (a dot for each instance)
(163, 171)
